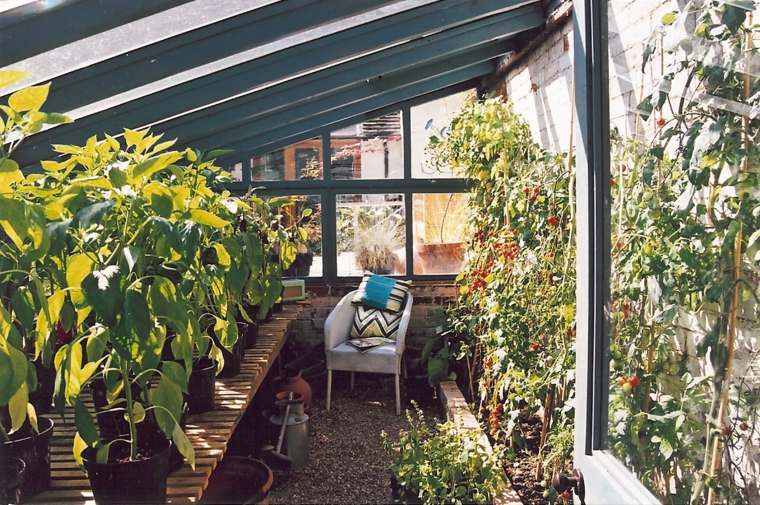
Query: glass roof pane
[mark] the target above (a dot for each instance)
(138, 33)
(256, 52)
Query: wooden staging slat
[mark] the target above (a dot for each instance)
(209, 432)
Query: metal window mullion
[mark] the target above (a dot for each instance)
(409, 229)
(329, 236)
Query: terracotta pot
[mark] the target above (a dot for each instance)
(295, 383)
(239, 480)
(445, 257)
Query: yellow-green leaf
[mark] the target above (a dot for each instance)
(222, 256)
(31, 413)
(78, 448)
(133, 137)
(154, 164)
(204, 217)
(8, 77)
(30, 98)
(17, 407)
(9, 174)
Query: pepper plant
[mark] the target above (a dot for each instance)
(24, 257)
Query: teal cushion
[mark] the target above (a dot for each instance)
(384, 293)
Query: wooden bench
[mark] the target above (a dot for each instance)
(209, 432)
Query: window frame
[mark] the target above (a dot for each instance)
(328, 188)
(607, 481)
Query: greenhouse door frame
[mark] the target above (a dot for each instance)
(606, 480)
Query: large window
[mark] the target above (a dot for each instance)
(379, 204)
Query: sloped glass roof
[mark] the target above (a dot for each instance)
(249, 72)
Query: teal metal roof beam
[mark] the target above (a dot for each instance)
(39, 26)
(197, 47)
(267, 106)
(384, 85)
(199, 92)
(299, 126)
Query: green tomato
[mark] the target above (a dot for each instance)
(616, 365)
(627, 388)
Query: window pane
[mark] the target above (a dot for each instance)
(439, 222)
(308, 261)
(684, 389)
(370, 150)
(296, 162)
(433, 119)
(371, 234)
(236, 171)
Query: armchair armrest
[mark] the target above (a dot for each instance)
(338, 323)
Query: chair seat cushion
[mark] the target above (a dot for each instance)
(384, 293)
(370, 322)
(382, 359)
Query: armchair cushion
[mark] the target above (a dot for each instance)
(375, 323)
(383, 293)
(381, 359)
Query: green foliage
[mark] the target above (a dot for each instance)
(444, 464)
(685, 215)
(118, 247)
(517, 290)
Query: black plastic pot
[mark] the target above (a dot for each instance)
(200, 397)
(239, 480)
(34, 449)
(277, 307)
(233, 360)
(42, 397)
(121, 481)
(15, 474)
(250, 335)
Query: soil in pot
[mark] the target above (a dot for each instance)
(122, 481)
(201, 387)
(34, 449)
(42, 397)
(239, 480)
(15, 473)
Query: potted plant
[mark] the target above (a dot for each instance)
(440, 252)
(25, 260)
(375, 246)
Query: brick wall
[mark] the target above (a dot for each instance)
(540, 83)
(430, 300)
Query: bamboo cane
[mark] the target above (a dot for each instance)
(716, 456)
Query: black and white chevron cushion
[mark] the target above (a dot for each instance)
(370, 322)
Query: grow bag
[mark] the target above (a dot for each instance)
(34, 449)
(239, 480)
(200, 397)
(122, 481)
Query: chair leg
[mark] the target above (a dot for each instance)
(398, 396)
(351, 381)
(329, 387)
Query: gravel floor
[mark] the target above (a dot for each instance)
(347, 463)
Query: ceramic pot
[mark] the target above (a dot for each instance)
(295, 383)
